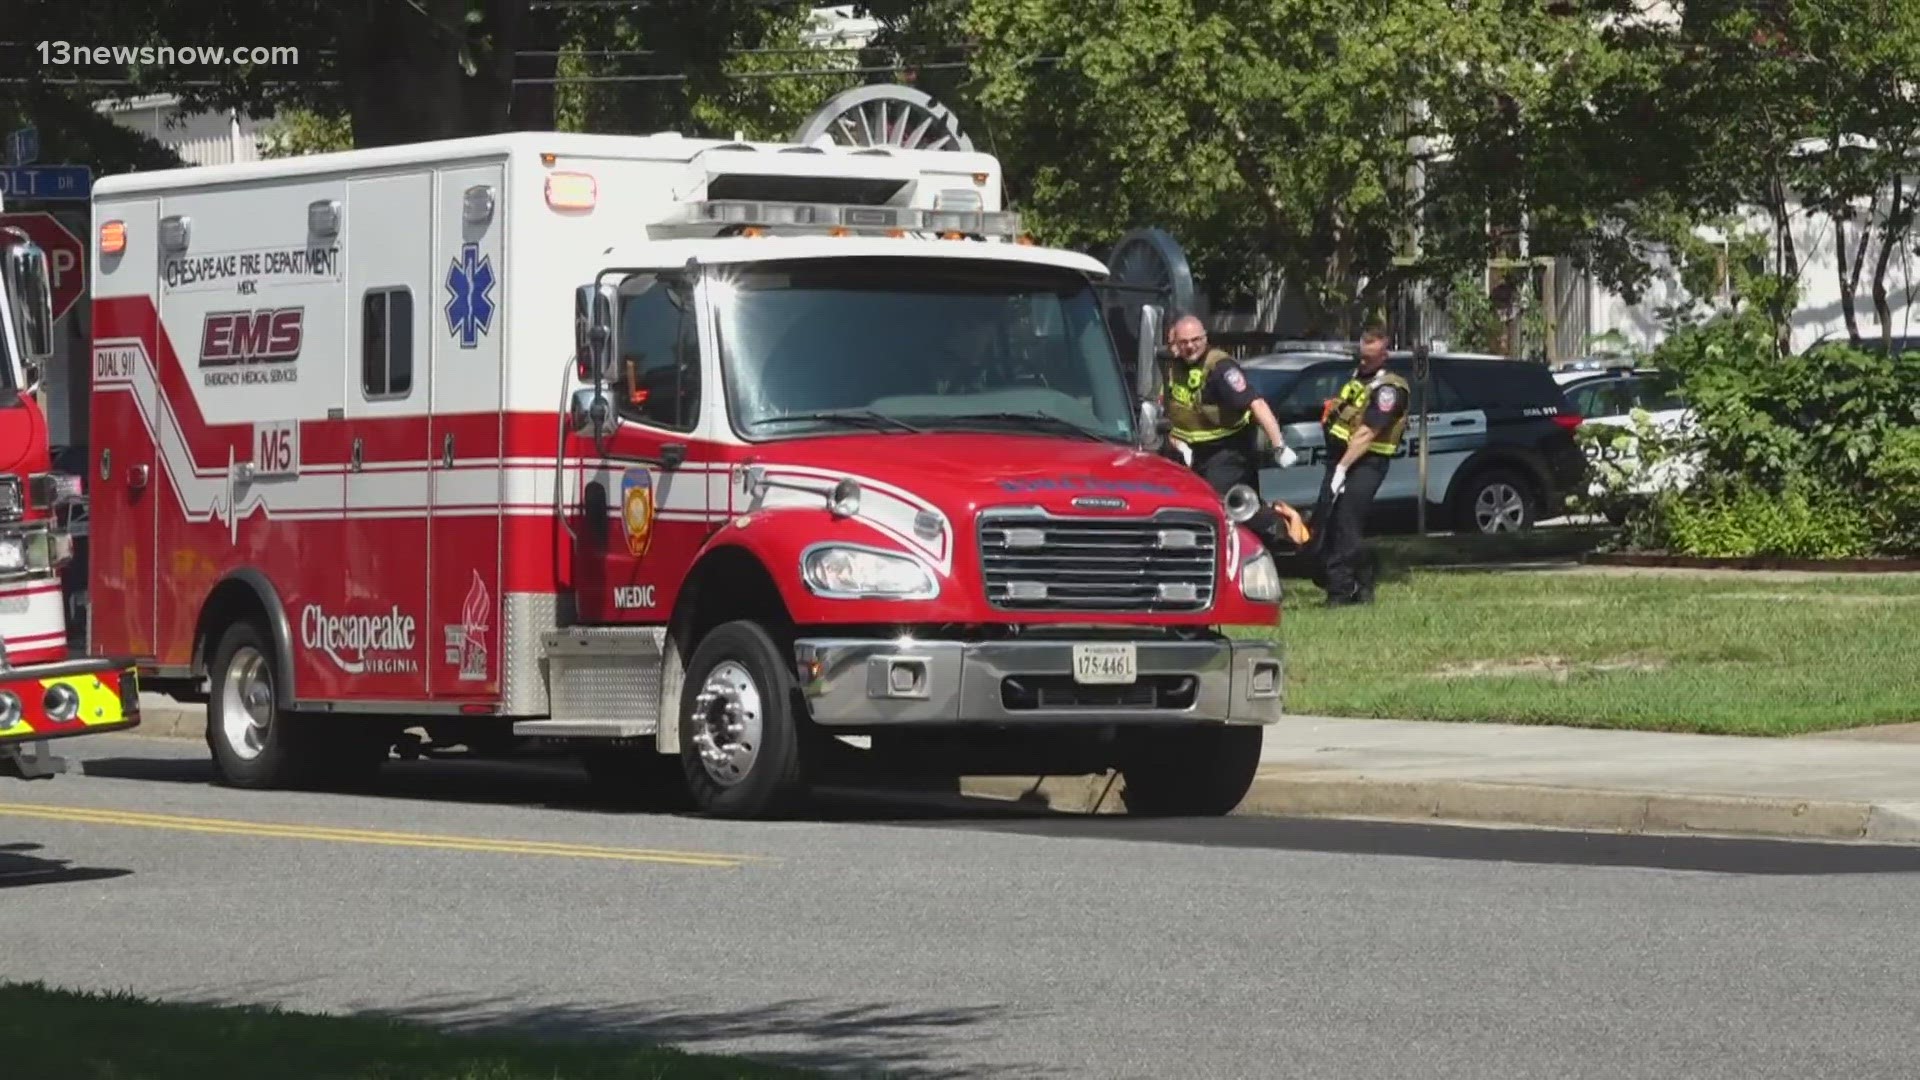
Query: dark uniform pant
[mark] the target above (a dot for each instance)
(1223, 463)
(1347, 569)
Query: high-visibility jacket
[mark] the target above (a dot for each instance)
(1345, 413)
(1191, 421)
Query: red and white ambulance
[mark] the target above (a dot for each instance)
(729, 462)
(46, 693)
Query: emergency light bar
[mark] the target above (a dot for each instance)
(840, 218)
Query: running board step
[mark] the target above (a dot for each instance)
(584, 729)
(602, 682)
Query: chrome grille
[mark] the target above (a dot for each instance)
(1034, 561)
(12, 498)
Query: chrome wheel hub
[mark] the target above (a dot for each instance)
(1500, 508)
(725, 723)
(246, 704)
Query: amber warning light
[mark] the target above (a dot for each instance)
(113, 238)
(571, 191)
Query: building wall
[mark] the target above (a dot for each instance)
(1819, 315)
(199, 138)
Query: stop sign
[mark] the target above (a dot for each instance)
(66, 258)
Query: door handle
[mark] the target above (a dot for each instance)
(1461, 422)
(137, 477)
(446, 451)
(357, 455)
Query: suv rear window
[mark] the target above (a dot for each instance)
(1500, 384)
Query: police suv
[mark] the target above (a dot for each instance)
(1502, 457)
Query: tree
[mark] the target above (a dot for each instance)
(1785, 109)
(1282, 135)
(400, 71)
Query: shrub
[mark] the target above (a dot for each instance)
(1815, 455)
(1743, 520)
(1894, 507)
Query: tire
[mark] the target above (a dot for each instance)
(251, 739)
(256, 744)
(738, 676)
(637, 776)
(1201, 771)
(1494, 502)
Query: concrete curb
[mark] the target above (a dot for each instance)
(1283, 791)
(1280, 792)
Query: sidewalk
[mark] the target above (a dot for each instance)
(1844, 786)
(1852, 785)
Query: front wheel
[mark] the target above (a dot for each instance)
(740, 725)
(1201, 771)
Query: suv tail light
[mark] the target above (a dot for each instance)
(1569, 420)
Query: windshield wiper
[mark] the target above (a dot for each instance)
(1046, 420)
(855, 417)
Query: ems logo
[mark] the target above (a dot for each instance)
(637, 510)
(470, 296)
(245, 340)
(466, 641)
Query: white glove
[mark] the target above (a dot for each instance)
(1185, 451)
(1339, 480)
(1285, 456)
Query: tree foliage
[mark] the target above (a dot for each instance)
(393, 71)
(1284, 135)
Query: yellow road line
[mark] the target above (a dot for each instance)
(87, 815)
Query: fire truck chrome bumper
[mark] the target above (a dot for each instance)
(861, 682)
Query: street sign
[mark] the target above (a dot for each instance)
(23, 146)
(66, 256)
(73, 182)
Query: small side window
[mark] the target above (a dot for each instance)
(386, 343)
(1306, 399)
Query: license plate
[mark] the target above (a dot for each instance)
(1107, 664)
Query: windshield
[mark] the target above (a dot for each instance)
(833, 345)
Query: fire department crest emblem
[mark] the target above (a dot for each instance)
(637, 510)
(467, 640)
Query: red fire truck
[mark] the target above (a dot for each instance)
(45, 694)
(727, 464)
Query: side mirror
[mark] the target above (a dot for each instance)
(594, 308)
(1151, 425)
(591, 413)
(1146, 369)
(30, 298)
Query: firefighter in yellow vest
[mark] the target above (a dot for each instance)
(1212, 409)
(1363, 430)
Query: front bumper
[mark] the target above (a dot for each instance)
(863, 682)
(67, 698)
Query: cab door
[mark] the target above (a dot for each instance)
(1298, 409)
(645, 498)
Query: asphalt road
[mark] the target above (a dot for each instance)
(949, 940)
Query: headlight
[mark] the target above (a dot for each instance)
(1260, 579)
(13, 554)
(835, 570)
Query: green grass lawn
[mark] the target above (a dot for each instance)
(1749, 654)
(47, 1033)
